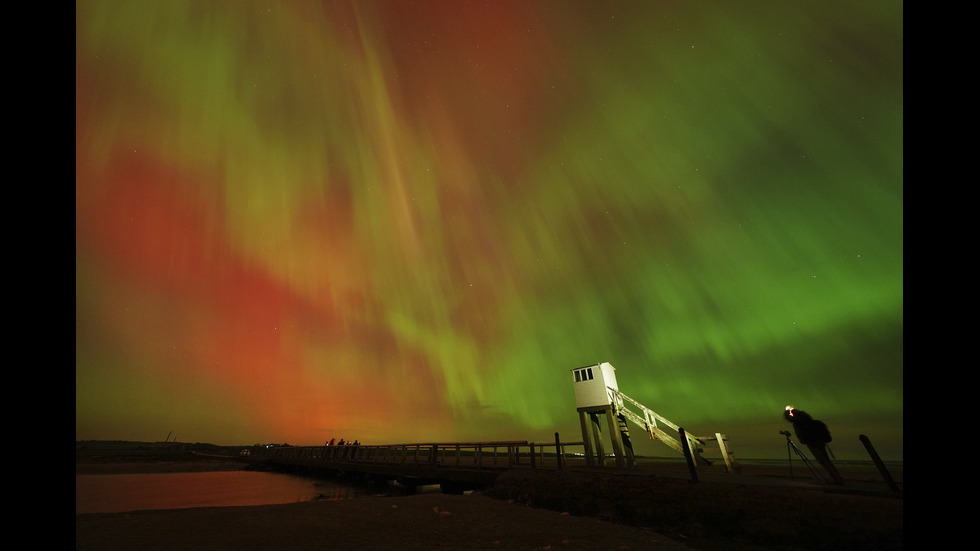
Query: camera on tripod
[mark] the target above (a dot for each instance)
(790, 448)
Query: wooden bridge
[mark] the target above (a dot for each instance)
(456, 466)
(459, 466)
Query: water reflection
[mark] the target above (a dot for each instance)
(131, 492)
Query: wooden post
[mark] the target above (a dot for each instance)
(532, 456)
(879, 463)
(597, 434)
(617, 439)
(558, 451)
(687, 454)
(725, 452)
(624, 432)
(586, 439)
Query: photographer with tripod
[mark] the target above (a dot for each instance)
(815, 435)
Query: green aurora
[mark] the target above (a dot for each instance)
(408, 221)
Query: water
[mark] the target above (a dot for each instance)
(116, 493)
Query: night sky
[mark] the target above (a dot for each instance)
(401, 221)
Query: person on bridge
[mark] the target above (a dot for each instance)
(815, 434)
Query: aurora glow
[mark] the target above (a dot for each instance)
(406, 221)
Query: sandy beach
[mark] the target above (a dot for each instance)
(492, 521)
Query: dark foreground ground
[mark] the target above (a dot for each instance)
(655, 507)
(722, 511)
(424, 521)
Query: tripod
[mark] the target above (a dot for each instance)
(790, 448)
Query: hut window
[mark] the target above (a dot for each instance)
(584, 374)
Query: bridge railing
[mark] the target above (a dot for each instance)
(556, 456)
(462, 455)
(456, 454)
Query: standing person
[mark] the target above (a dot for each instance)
(815, 434)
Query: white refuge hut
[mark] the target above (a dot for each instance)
(597, 393)
(591, 386)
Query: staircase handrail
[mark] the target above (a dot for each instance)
(651, 417)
